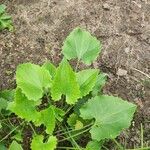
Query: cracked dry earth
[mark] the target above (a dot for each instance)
(122, 26)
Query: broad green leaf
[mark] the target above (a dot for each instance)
(65, 83)
(3, 104)
(26, 109)
(87, 79)
(32, 79)
(0, 126)
(15, 146)
(80, 44)
(23, 107)
(51, 68)
(111, 115)
(93, 145)
(47, 117)
(37, 143)
(101, 80)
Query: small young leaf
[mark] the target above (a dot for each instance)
(2, 8)
(23, 107)
(93, 145)
(5, 20)
(80, 44)
(15, 146)
(101, 80)
(87, 79)
(111, 114)
(78, 125)
(51, 68)
(65, 83)
(32, 79)
(37, 143)
(75, 121)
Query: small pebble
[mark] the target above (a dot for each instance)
(121, 72)
(106, 6)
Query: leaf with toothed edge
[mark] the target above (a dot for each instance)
(47, 117)
(111, 114)
(33, 79)
(82, 45)
(26, 109)
(23, 107)
(65, 83)
(37, 143)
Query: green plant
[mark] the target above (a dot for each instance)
(5, 20)
(69, 102)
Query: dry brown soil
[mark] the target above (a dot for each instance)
(123, 27)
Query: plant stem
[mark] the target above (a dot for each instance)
(72, 140)
(11, 132)
(70, 148)
(105, 147)
(5, 119)
(119, 145)
(141, 72)
(76, 129)
(146, 148)
(32, 128)
(68, 110)
(75, 135)
(76, 68)
(48, 98)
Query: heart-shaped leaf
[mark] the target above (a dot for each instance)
(80, 44)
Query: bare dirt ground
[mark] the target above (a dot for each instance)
(123, 27)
